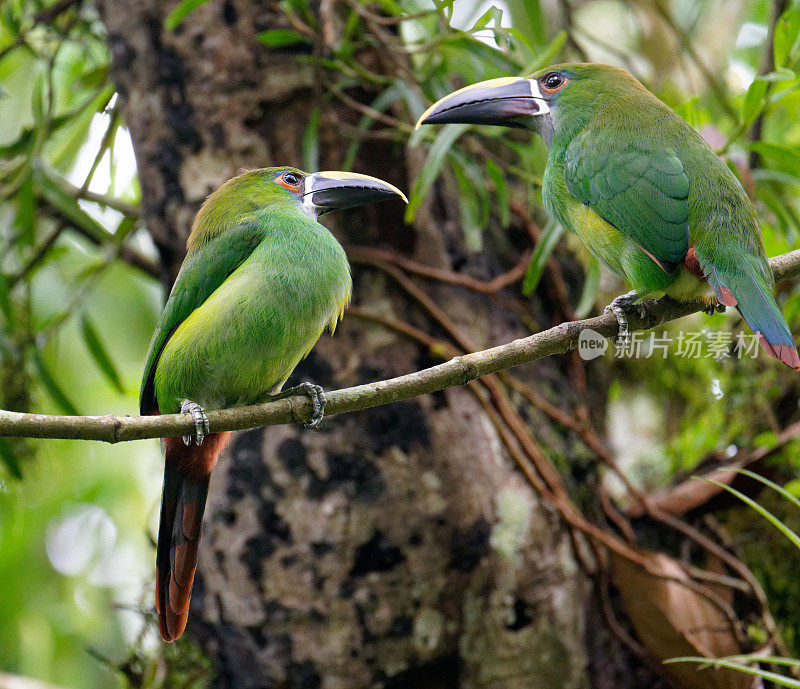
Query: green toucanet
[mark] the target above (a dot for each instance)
(639, 186)
(261, 281)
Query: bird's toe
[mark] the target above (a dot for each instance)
(201, 424)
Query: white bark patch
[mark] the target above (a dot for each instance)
(514, 508)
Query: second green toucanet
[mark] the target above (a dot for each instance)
(639, 186)
(261, 281)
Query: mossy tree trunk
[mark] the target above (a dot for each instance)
(400, 546)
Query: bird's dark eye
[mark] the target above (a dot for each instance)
(290, 180)
(553, 81)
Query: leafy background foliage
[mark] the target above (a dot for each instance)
(79, 294)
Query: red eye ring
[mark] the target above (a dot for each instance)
(553, 82)
(291, 181)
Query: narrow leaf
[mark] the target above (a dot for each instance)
(590, 286)
(433, 166)
(10, 459)
(26, 210)
(787, 157)
(527, 16)
(397, 91)
(311, 142)
(182, 10)
(548, 55)
(52, 388)
(754, 100)
(95, 346)
(474, 205)
(57, 197)
(787, 36)
(281, 38)
(771, 518)
(780, 489)
(773, 677)
(5, 298)
(493, 13)
(544, 247)
(501, 191)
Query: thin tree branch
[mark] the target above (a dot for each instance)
(102, 199)
(457, 371)
(767, 66)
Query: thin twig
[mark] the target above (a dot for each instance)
(368, 254)
(711, 79)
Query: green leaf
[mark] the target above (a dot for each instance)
(527, 16)
(501, 191)
(5, 299)
(433, 166)
(788, 158)
(776, 204)
(787, 36)
(770, 484)
(26, 210)
(780, 680)
(766, 660)
(37, 99)
(754, 100)
(780, 74)
(548, 55)
(281, 38)
(689, 111)
(20, 146)
(95, 346)
(311, 142)
(590, 286)
(544, 247)
(493, 13)
(182, 10)
(93, 78)
(399, 90)
(61, 151)
(10, 459)
(474, 200)
(57, 197)
(521, 43)
(771, 518)
(462, 52)
(52, 388)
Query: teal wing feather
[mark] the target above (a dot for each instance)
(203, 271)
(639, 188)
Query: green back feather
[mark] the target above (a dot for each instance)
(639, 188)
(204, 270)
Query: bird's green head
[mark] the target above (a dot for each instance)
(544, 101)
(285, 188)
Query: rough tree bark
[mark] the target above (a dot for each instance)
(399, 547)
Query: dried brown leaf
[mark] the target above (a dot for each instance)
(674, 617)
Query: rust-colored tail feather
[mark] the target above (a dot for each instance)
(187, 470)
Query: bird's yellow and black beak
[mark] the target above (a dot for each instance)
(334, 190)
(508, 101)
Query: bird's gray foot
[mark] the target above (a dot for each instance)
(618, 308)
(200, 421)
(715, 307)
(317, 396)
